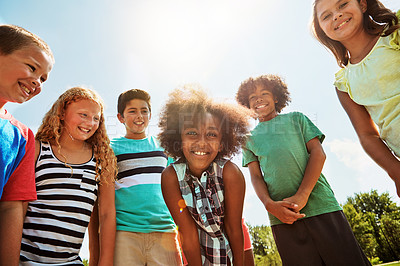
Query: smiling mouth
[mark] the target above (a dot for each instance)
(261, 106)
(200, 153)
(341, 24)
(139, 123)
(84, 130)
(26, 89)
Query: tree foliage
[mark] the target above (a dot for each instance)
(375, 220)
(264, 248)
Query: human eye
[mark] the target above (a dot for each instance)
(83, 115)
(343, 5)
(96, 119)
(325, 17)
(31, 67)
(252, 97)
(191, 133)
(212, 134)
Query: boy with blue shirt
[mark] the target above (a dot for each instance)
(285, 158)
(146, 232)
(25, 63)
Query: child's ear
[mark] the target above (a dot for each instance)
(363, 5)
(121, 118)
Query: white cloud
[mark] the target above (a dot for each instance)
(350, 153)
(356, 171)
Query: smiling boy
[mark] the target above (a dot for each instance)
(285, 158)
(25, 63)
(146, 233)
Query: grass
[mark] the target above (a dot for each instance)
(395, 263)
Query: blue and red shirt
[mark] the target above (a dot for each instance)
(17, 160)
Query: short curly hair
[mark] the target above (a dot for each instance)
(273, 83)
(188, 105)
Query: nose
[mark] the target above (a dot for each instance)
(202, 140)
(337, 15)
(36, 82)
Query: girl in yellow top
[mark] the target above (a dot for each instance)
(364, 37)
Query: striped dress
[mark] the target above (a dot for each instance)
(204, 198)
(55, 224)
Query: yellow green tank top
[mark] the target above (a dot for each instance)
(375, 83)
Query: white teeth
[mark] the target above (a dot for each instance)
(25, 89)
(341, 24)
(84, 130)
(199, 153)
(261, 106)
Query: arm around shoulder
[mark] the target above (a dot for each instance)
(189, 237)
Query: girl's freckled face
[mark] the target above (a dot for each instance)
(201, 143)
(81, 119)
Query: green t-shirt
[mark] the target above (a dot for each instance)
(279, 145)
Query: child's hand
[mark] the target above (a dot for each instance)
(298, 200)
(284, 211)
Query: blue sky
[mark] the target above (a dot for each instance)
(156, 45)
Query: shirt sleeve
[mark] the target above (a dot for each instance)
(21, 184)
(309, 130)
(247, 156)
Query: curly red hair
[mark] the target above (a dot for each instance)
(51, 128)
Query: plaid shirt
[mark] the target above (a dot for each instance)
(205, 202)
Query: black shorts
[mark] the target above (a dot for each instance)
(325, 239)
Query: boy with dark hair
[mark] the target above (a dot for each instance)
(285, 158)
(146, 233)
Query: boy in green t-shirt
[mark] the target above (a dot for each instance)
(285, 158)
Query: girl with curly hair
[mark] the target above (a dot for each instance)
(285, 158)
(203, 189)
(75, 172)
(364, 37)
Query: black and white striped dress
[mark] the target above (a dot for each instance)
(55, 224)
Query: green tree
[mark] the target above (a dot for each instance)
(375, 220)
(264, 248)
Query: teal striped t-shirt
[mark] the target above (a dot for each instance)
(139, 202)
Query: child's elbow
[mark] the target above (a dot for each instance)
(323, 155)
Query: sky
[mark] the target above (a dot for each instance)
(156, 45)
